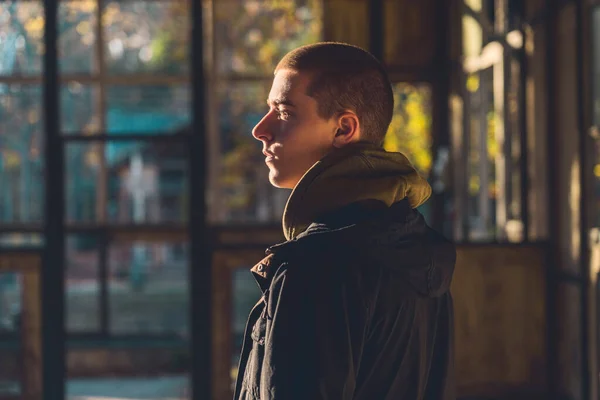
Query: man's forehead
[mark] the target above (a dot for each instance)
(287, 84)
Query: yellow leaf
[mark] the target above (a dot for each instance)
(35, 27)
(11, 159)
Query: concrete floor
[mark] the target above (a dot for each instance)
(159, 388)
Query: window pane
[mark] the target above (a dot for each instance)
(10, 302)
(148, 109)
(21, 27)
(148, 288)
(252, 36)
(168, 387)
(482, 150)
(410, 130)
(81, 283)
(79, 111)
(514, 153)
(82, 175)
(77, 24)
(21, 147)
(11, 293)
(243, 192)
(245, 295)
(146, 36)
(22, 30)
(147, 182)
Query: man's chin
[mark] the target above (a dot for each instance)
(279, 181)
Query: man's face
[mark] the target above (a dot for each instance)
(293, 135)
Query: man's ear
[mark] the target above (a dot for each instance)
(348, 129)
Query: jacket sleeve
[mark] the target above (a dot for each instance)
(316, 325)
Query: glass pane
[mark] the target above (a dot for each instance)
(245, 295)
(21, 148)
(482, 151)
(130, 388)
(514, 153)
(252, 36)
(10, 301)
(77, 24)
(243, 191)
(11, 292)
(82, 178)
(81, 283)
(79, 109)
(146, 36)
(148, 288)
(148, 109)
(147, 182)
(410, 130)
(22, 30)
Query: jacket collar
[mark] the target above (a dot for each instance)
(263, 271)
(355, 173)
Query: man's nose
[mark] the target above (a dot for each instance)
(262, 130)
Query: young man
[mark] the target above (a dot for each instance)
(356, 302)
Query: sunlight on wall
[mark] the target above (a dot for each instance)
(574, 205)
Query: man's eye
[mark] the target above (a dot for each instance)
(283, 114)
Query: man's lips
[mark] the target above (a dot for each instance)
(268, 156)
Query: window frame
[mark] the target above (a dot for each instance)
(495, 33)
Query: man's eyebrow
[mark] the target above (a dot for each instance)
(281, 101)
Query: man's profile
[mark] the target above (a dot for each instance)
(356, 302)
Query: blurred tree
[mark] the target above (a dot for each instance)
(410, 129)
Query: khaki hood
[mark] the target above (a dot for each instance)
(348, 175)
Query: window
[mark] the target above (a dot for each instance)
(124, 72)
(410, 130)
(493, 191)
(125, 88)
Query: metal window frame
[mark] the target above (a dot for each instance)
(496, 31)
(53, 321)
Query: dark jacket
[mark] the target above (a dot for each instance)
(360, 311)
(356, 306)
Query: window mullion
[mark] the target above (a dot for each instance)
(102, 178)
